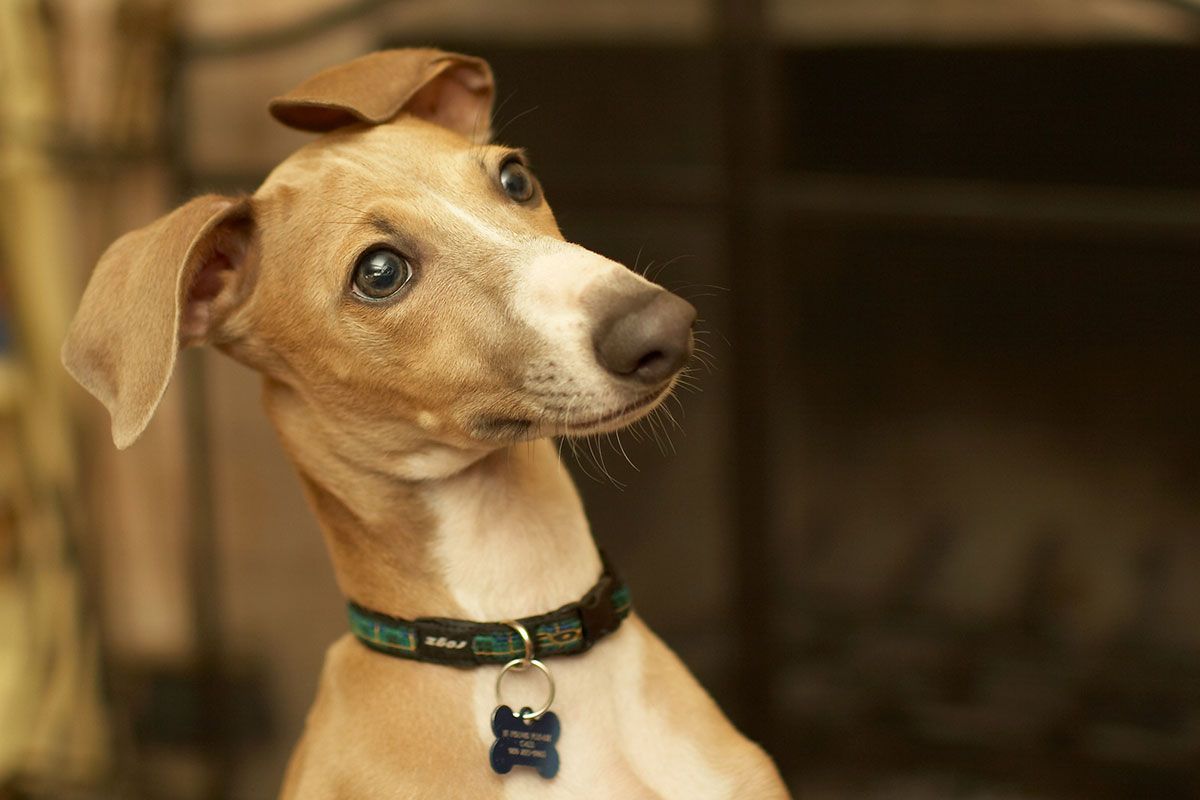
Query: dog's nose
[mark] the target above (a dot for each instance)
(647, 338)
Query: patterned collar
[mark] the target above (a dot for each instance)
(572, 629)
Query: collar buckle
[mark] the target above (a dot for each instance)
(596, 612)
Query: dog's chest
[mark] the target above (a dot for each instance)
(615, 740)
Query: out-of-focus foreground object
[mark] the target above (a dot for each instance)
(54, 731)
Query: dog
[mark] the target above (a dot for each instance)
(423, 330)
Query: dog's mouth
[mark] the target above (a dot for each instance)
(558, 421)
(616, 419)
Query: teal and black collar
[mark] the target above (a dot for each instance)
(572, 629)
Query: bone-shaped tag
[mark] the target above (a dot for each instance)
(524, 742)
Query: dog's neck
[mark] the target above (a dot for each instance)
(503, 536)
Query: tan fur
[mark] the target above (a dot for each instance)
(418, 428)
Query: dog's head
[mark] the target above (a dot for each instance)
(398, 277)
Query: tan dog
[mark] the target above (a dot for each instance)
(421, 328)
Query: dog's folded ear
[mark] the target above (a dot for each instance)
(155, 290)
(452, 90)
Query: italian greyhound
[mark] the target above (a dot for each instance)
(423, 330)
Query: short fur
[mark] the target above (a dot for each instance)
(418, 425)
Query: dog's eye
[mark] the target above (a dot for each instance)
(380, 273)
(516, 181)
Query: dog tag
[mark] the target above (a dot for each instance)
(524, 742)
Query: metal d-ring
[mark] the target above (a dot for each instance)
(520, 664)
(525, 639)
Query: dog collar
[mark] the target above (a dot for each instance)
(572, 629)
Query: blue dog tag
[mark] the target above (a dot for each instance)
(524, 742)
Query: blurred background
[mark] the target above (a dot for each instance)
(931, 528)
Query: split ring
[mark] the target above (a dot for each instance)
(520, 664)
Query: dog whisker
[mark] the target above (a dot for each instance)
(637, 259)
(362, 213)
(704, 359)
(682, 413)
(598, 452)
(514, 118)
(496, 111)
(661, 438)
(635, 430)
(621, 448)
(669, 262)
(718, 334)
(716, 288)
